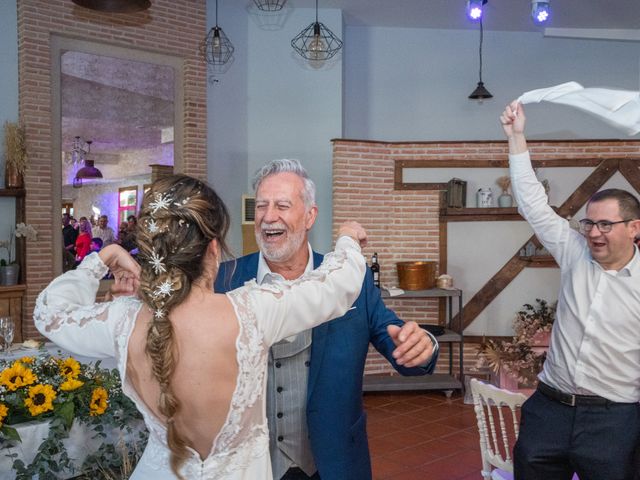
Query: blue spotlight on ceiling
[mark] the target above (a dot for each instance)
(540, 11)
(474, 9)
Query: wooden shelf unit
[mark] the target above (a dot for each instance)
(11, 296)
(540, 261)
(19, 194)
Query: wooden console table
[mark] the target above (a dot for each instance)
(11, 306)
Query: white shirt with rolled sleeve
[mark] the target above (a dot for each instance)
(595, 341)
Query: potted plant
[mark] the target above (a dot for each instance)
(9, 268)
(15, 155)
(519, 361)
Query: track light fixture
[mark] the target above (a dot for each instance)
(474, 9)
(540, 11)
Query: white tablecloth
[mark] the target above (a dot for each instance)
(18, 351)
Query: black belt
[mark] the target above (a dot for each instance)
(571, 399)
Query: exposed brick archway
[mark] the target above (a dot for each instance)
(170, 27)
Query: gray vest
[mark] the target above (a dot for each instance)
(286, 405)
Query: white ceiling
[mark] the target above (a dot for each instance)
(508, 15)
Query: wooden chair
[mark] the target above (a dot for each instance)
(498, 425)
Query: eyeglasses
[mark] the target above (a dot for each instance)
(604, 226)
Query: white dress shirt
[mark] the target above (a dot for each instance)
(595, 341)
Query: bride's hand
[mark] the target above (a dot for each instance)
(354, 230)
(125, 270)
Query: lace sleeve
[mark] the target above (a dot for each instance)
(287, 308)
(67, 314)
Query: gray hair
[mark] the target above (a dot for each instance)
(286, 165)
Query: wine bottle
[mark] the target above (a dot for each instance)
(375, 269)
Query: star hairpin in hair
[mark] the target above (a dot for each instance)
(161, 201)
(182, 203)
(163, 290)
(152, 226)
(159, 313)
(156, 262)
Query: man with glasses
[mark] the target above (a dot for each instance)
(584, 415)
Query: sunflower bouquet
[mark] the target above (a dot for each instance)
(59, 390)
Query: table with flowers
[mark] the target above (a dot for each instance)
(63, 415)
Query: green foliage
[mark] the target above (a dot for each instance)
(69, 406)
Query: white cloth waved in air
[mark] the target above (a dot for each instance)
(619, 108)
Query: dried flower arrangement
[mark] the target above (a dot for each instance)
(517, 357)
(15, 147)
(504, 182)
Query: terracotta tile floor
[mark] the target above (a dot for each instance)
(422, 435)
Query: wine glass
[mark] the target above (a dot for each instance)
(6, 332)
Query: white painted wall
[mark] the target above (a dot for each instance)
(227, 118)
(8, 101)
(271, 104)
(412, 84)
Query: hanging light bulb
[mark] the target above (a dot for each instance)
(316, 42)
(216, 48)
(317, 47)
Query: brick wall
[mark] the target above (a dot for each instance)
(404, 224)
(170, 27)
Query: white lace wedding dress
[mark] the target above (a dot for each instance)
(66, 313)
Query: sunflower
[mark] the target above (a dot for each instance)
(69, 368)
(70, 384)
(17, 376)
(40, 399)
(98, 403)
(4, 411)
(26, 360)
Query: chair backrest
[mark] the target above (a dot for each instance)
(498, 424)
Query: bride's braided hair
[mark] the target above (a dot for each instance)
(180, 216)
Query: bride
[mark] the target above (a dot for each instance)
(193, 361)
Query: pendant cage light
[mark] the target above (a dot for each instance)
(269, 5)
(480, 93)
(316, 42)
(216, 48)
(115, 6)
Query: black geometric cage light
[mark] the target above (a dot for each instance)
(216, 48)
(316, 42)
(269, 5)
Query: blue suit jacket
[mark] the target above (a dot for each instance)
(335, 413)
